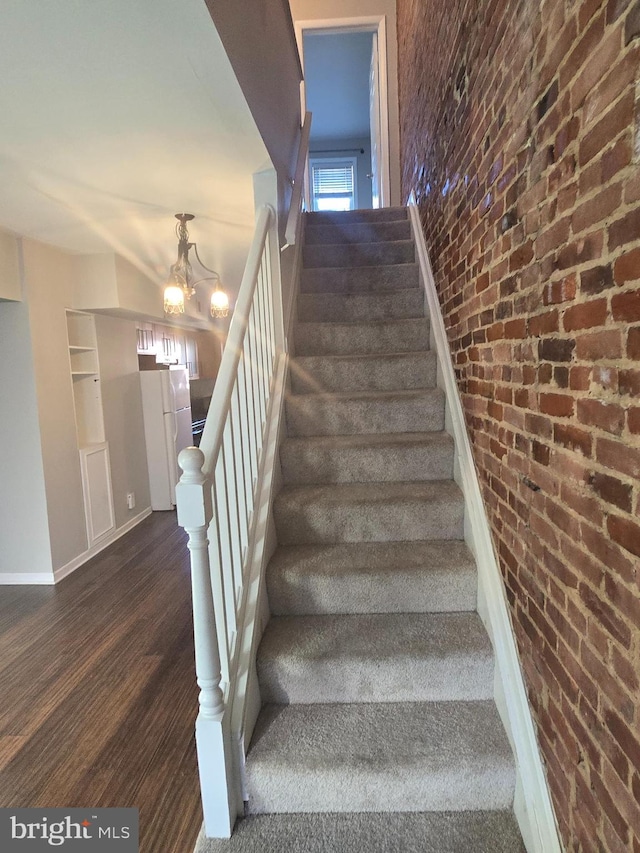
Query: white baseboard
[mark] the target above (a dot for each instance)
(532, 803)
(78, 561)
(26, 578)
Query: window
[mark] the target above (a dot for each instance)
(333, 184)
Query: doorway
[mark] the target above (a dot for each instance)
(345, 88)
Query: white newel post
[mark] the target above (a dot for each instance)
(213, 742)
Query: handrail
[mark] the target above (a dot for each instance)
(295, 209)
(211, 440)
(219, 499)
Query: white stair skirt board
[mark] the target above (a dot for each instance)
(532, 805)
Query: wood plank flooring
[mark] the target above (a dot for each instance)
(97, 688)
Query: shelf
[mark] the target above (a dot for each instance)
(85, 375)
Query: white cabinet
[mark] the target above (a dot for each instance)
(98, 497)
(192, 357)
(146, 339)
(87, 401)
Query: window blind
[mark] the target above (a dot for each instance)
(334, 181)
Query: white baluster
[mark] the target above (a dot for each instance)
(193, 495)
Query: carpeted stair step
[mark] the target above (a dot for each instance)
(339, 217)
(383, 757)
(360, 279)
(356, 512)
(391, 832)
(365, 412)
(388, 372)
(367, 458)
(357, 232)
(362, 338)
(372, 577)
(360, 307)
(383, 657)
(359, 254)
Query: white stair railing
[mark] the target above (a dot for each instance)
(216, 499)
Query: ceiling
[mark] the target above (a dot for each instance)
(116, 116)
(336, 68)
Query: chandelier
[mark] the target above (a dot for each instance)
(181, 283)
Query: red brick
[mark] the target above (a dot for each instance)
(556, 349)
(579, 378)
(599, 345)
(606, 416)
(626, 306)
(633, 419)
(625, 230)
(617, 455)
(627, 267)
(560, 291)
(596, 279)
(633, 343)
(616, 158)
(573, 437)
(581, 251)
(597, 209)
(605, 53)
(629, 382)
(605, 131)
(543, 324)
(559, 405)
(606, 615)
(625, 533)
(585, 316)
(612, 490)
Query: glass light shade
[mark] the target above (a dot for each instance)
(219, 303)
(173, 299)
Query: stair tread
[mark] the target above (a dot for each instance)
(435, 439)
(372, 577)
(409, 832)
(340, 493)
(424, 355)
(383, 657)
(399, 395)
(382, 279)
(401, 322)
(380, 757)
(377, 214)
(361, 637)
(392, 557)
(357, 232)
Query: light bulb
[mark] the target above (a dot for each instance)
(173, 299)
(219, 303)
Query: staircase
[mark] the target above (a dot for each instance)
(375, 671)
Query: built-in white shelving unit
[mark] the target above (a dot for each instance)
(93, 448)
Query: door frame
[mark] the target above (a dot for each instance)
(366, 24)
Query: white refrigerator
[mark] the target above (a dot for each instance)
(166, 408)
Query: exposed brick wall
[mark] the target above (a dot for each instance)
(520, 136)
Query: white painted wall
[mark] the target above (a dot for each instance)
(313, 10)
(42, 523)
(24, 530)
(363, 160)
(259, 39)
(336, 72)
(122, 404)
(49, 276)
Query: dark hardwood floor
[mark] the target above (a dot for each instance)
(97, 688)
